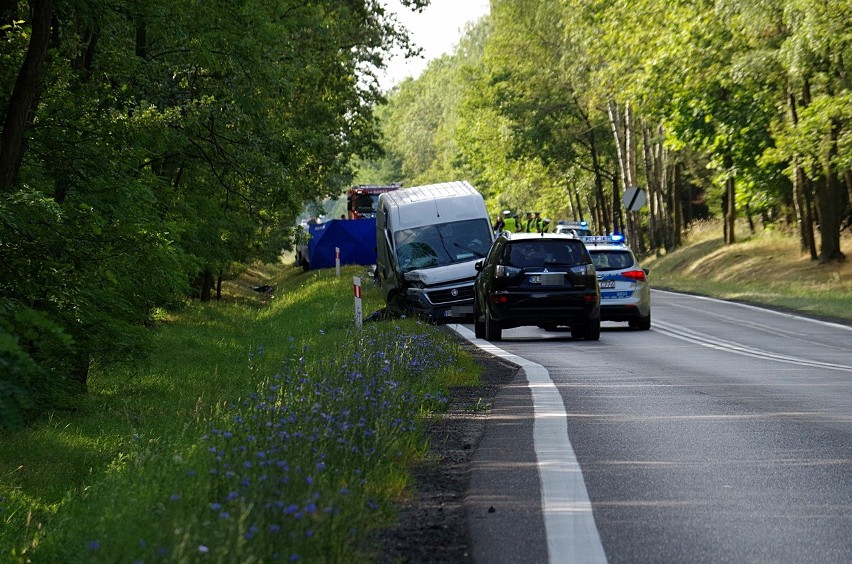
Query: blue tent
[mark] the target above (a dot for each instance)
(356, 239)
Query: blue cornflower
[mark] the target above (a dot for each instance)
(94, 545)
(224, 515)
(203, 549)
(274, 528)
(215, 506)
(174, 497)
(232, 496)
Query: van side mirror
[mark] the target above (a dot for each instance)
(478, 265)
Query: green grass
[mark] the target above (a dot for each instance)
(766, 268)
(258, 429)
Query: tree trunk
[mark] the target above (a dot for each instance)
(206, 290)
(801, 191)
(651, 188)
(730, 211)
(830, 197)
(677, 205)
(617, 217)
(25, 95)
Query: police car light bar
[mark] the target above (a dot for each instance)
(611, 239)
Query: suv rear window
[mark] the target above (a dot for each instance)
(612, 260)
(525, 254)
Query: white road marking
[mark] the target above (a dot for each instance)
(736, 348)
(758, 308)
(568, 520)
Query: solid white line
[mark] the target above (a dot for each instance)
(568, 520)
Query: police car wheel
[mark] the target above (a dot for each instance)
(641, 324)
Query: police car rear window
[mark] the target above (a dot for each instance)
(611, 260)
(525, 254)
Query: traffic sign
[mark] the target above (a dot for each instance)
(634, 199)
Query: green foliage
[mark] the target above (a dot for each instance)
(167, 141)
(246, 434)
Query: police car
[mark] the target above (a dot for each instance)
(625, 292)
(576, 228)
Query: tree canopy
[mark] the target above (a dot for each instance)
(735, 108)
(148, 145)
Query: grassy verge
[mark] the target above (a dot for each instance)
(766, 268)
(256, 431)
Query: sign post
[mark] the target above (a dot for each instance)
(337, 261)
(357, 289)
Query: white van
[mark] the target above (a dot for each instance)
(428, 239)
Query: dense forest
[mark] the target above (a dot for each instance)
(148, 146)
(729, 108)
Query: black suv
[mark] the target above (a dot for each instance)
(542, 279)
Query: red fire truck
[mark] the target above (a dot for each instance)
(361, 200)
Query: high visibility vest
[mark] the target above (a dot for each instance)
(531, 226)
(510, 225)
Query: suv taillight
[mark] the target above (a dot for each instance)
(506, 271)
(637, 275)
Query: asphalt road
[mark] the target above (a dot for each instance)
(723, 434)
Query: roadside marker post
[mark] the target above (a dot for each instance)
(337, 261)
(356, 282)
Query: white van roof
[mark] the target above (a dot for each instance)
(434, 203)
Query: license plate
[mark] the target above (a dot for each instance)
(548, 279)
(607, 284)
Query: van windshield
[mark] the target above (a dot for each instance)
(442, 244)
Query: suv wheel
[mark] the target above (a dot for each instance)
(591, 331)
(493, 329)
(478, 322)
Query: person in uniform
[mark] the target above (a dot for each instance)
(537, 223)
(529, 223)
(510, 222)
